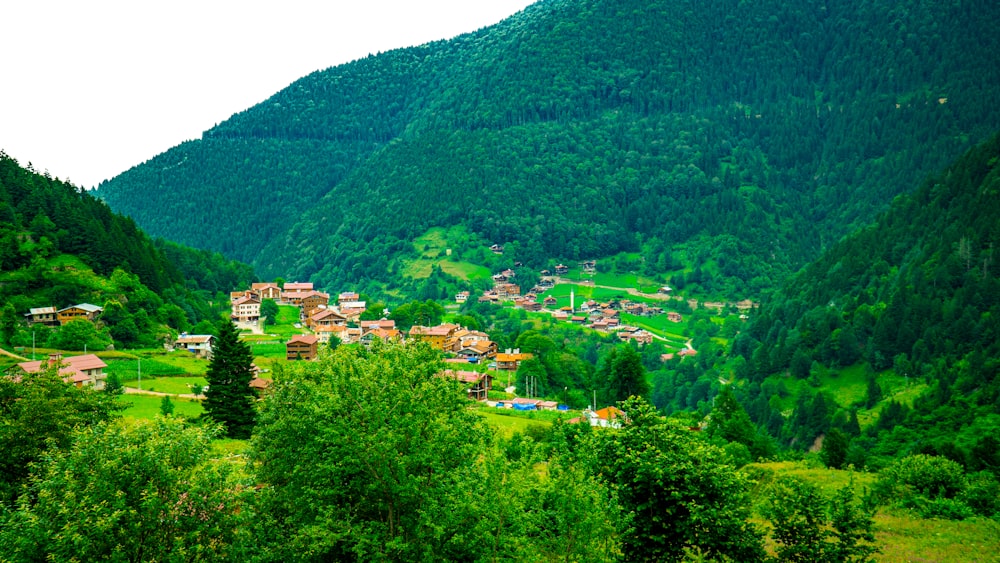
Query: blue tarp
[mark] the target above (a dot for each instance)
(563, 407)
(520, 407)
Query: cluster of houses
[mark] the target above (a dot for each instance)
(246, 303)
(50, 316)
(82, 371)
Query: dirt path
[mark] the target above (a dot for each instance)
(135, 391)
(12, 355)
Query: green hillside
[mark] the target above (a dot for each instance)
(60, 246)
(899, 323)
(739, 138)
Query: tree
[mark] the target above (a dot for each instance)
(395, 467)
(622, 375)
(166, 406)
(808, 527)
(677, 490)
(37, 413)
(269, 310)
(394, 464)
(835, 446)
(113, 384)
(79, 334)
(229, 399)
(131, 491)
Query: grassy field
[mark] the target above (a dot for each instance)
(269, 349)
(432, 249)
(902, 536)
(148, 406)
(128, 370)
(506, 424)
(173, 385)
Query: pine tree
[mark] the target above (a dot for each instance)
(229, 398)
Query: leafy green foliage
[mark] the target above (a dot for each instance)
(809, 527)
(130, 491)
(622, 375)
(919, 293)
(38, 412)
(60, 246)
(675, 489)
(936, 487)
(397, 468)
(229, 399)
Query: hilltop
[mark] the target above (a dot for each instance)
(739, 138)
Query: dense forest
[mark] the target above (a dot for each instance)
(60, 246)
(742, 138)
(915, 296)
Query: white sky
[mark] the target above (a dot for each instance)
(94, 87)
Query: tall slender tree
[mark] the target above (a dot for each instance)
(229, 398)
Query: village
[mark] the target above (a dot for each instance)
(470, 356)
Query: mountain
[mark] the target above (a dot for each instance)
(915, 296)
(741, 138)
(60, 246)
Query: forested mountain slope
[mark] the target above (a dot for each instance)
(60, 246)
(739, 136)
(917, 292)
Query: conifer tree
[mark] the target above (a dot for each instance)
(229, 398)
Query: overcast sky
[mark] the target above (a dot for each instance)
(94, 87)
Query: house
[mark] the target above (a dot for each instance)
(496, 248)
(246, 309)
(510, 360)
(560, 315)
(298, 286)
(687, 352)
(561, 269)
(383, 334)
(550, 301)
(325, 332)
(235, 296)
(506, 290)
(266, 290)
(385, 324)
(478, 350)
(200, 344)
(348, 296)
(352, 309)
(326, 318)
(528, 304)
(47, 316)
(351, 335)
(83, 371)
(436, 336)
(577, 319)
(260, 384)
(479, 383)
(462, 297)
(301, 347)
(674, 317)
(664, 289)
(607, 417)
(640, 337)
(588, 266)
(82, 311)
(310, 300)
(548, 405)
